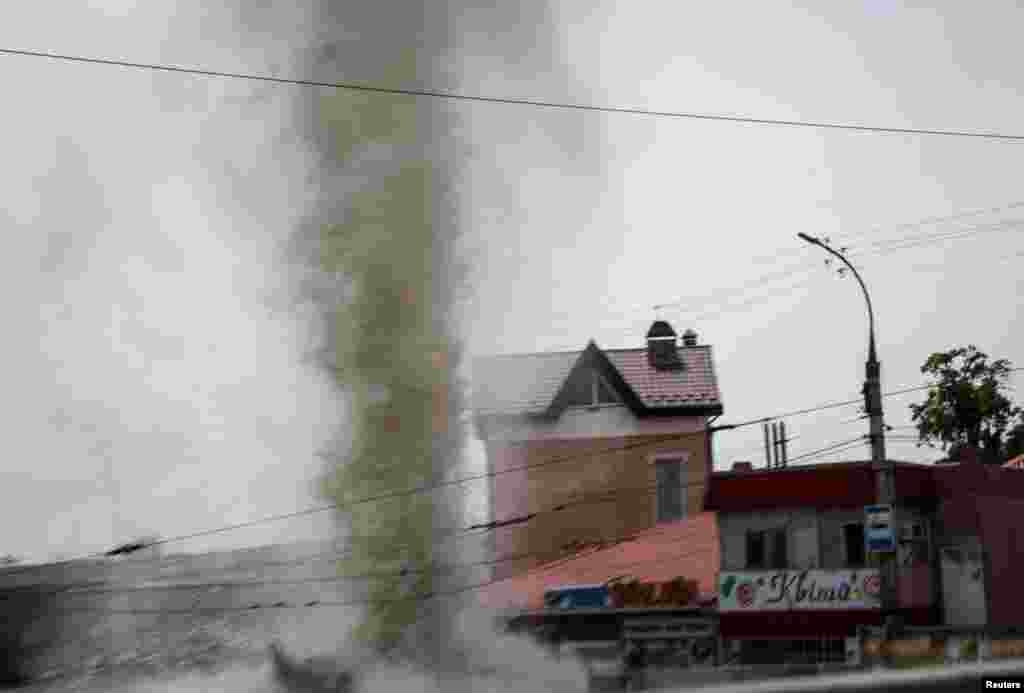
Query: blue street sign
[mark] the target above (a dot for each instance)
(879, 534)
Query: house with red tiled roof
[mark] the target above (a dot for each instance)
(596, 444)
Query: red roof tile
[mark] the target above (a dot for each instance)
(528, 383)
(688, 549)
(694, 384)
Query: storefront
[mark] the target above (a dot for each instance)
(796, 616)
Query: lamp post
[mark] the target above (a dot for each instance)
(872, 392)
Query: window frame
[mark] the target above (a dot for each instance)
(846, 546)
(749, 536)
(594, 382)
(771, 556)
(774, 559)
(682, 459)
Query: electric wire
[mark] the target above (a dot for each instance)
(513, 469)
(721, 302)
(533, 103)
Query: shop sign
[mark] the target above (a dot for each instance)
(632, 593)
(798, 590)
(879, 534)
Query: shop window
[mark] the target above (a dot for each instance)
(767, 550)
(853, 540)
(755, 551)
(780, 549)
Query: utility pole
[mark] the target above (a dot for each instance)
(884, 469)
(783, 444)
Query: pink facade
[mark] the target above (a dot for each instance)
(510, 497)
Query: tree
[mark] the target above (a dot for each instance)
(1014, 442)
(967, 405)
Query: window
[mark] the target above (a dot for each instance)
(671, 503)
(589, 389)
(780, 553)
(755, 551)
(853, 538)
(603, 393)
(767, 550)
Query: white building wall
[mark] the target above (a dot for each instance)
(598, 422)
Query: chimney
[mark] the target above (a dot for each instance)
(742, 467)
(690, 338)
(661, 347)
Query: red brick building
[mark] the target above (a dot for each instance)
(625, 430)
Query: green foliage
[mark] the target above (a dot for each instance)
(967, 404)
(1014, 441)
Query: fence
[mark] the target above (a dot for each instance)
(921, 646)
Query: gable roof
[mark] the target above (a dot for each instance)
(688, 548)
(530, 383)
(592, 358)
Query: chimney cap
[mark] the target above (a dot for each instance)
(690, 338)
(661, 330)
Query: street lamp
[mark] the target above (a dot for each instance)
(873, 406)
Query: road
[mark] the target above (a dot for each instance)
(253, 678)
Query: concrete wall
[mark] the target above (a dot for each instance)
(733, 528)
(158, 613)
(587, 422)
(816, 541)
(963, 583)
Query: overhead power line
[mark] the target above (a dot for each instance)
(455, 482)
(799, 275)
(608, 495)
(877, 233)
(844, 239)
(535, 103)
(363, 602)
(837, 447)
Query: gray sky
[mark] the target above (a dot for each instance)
(153, 335)
(683, 208)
